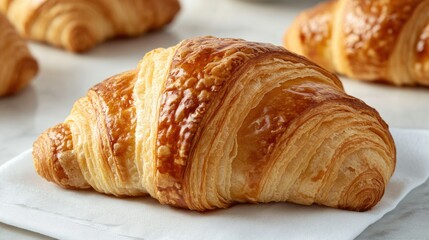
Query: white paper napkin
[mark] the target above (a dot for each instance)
(28, 201)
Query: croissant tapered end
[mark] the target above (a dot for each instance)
(23, 72)
(55, 160)
(364, 192)
(311, 34)
(18, 67)
(367, 40)
(26, 70)
(78, 26)
(168, 9)
(80, 39)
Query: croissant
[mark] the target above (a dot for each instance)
(17, 65)
(368, 40)
(80, 25)
(211, 122)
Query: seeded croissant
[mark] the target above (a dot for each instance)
(17, 65)
(80, 25)
(367, 40)
(211, 122)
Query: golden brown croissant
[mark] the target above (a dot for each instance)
(210, 122)
(78, 25)
(17, 65)
(367, 40)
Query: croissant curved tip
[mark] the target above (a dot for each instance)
(54, 159)
(26, 69)
(41, 158)
(29, 68)
(364, 192)
(80, 39)
(169, 10)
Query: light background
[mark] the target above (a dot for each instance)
(65, 77)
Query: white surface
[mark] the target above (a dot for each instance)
(65, 77)
(28, 201)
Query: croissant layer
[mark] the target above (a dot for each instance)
(367, 40)
(79, 25)
(211, 122)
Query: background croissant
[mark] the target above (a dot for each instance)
(17, 66)
(79, 25)
(368, 40)
(210, 122)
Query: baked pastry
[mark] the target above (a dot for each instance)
(211, 122)
(17, 66)
(367, 40)
(80, 25)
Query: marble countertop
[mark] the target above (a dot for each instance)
(65, 77)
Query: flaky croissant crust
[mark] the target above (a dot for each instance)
(367, 40)
(211, 122)
(17, 66)
(79, 25)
